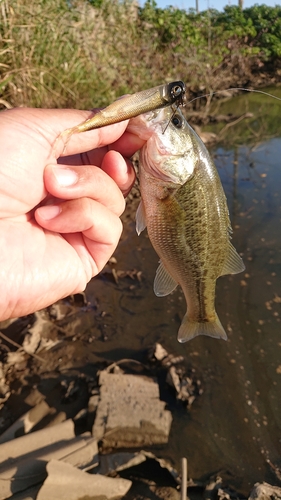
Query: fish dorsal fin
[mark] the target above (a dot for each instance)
(233, 262)
(163, 282)
(140, 219)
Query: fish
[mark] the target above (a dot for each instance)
(184, 208)
(130, 106)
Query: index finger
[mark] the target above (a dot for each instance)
(126, 145)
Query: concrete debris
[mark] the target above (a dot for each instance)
(64, 482)
(23, 462)
(93, 403)
(157, 352)
(58, 419)
(36, 440)
(26, 422)
(125, 411)
(145, 421)
(116, 462)
(216, 490)
(264, 491)
(164, 464)
(187, 388)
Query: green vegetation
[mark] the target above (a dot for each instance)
(85, 53)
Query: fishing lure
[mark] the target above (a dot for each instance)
(130, 106)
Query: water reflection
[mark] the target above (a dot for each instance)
(263, 125)
(235, 427)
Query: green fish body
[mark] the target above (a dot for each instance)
(185, 211)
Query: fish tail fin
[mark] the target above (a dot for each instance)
(190, 329)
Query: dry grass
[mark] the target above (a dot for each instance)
(53, 55)
(65, 53)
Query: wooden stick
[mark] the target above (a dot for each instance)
(183, 478)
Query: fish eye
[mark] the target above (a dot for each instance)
(177, 121)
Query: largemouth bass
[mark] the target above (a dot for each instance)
(184, 208)
(130, 106)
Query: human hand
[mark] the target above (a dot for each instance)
(59, 210)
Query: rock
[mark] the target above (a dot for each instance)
(130, 413)
(211, 490)
(173, 379)
(166, 493)
(264, 491)
(160, 353)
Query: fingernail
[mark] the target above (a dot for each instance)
(49, 212)
(65, 176)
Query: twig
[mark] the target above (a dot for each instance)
(231, 124)
(183, 478)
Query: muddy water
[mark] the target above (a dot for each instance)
(235, 426)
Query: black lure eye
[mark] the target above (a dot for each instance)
(177, 91)
(177, 121)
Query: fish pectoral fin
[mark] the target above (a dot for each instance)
(233, 263)
(140, 219)
(163, 282)
(190, 329)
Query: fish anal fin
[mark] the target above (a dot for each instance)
(190, 329)
(140, 219)
(163, 282)
(233, 263)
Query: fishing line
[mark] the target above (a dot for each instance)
(174, 112)
(236, 88)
